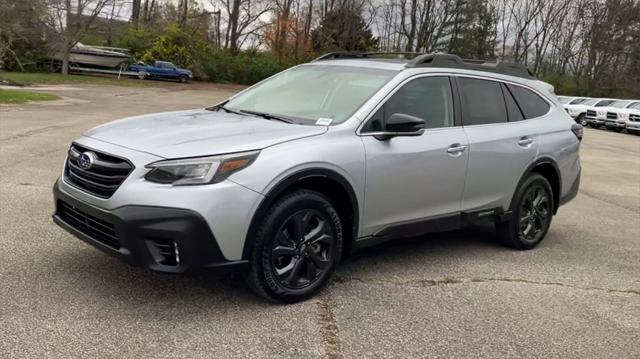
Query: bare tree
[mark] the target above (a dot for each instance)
(71, 20)
(243, 19)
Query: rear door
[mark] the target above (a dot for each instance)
(502, 143)
(411, 180)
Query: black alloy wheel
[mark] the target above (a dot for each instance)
(297, 247)
(535, 213)
(302, 249)
(532, 211)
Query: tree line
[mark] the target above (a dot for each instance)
(582, 47)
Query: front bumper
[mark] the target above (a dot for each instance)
(163, 239)
(611, 124)
(633, 125)
(595, 121)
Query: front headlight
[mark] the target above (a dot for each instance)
(201, 170)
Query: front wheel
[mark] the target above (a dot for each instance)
(183, 79)
(297, 247)
(532, 211)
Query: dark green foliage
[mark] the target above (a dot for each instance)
(473, 33)
(343, 29)
(206, 61)
(244, 68)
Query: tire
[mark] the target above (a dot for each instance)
(581, 120)
(183, 79)
(517, 232)
(142, 75)
(284, 266)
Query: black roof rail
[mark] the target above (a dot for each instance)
(339, 55)
(364, 55)
(453, 61)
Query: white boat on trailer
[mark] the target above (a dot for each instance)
(98, 56)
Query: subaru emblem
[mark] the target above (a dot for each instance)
(86, 159)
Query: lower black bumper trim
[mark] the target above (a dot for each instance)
(139, 229)
(573, 191)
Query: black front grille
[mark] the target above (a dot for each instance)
(612, 115)
(101, 179)
(591, 113)
(99, 230)
(634, 117)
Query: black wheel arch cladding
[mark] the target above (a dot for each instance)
(302, 179)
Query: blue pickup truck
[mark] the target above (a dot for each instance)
(161, 69)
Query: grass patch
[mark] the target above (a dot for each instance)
(19, 96)
(42, 78)
(449, 280)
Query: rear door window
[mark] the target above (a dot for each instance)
(531, 104)
(482, 102)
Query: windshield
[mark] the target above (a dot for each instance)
(604, 103)
(635, 106)
(619, 104)
(577, 101)
(590, 102)
(310, 93)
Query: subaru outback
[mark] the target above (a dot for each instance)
(285, 178)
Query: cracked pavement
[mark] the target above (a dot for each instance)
(456, 294)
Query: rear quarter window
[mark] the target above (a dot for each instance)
(531, 104)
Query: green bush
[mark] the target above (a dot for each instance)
(244, 68)
(207, 62)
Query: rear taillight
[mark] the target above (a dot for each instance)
(577, 130)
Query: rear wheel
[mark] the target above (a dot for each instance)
(532, 211)
(142, 75)
(297, 247)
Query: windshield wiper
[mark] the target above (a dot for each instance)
(268, 116)
(221, 106)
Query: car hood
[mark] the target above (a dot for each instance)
(199, 133)
(576, 107)
(628, 111)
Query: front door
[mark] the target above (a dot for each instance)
(412, 180)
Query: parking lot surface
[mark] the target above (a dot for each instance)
(456, 294)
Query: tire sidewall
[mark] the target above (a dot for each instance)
(281, 211)
(517, 208)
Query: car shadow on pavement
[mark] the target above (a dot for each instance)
(99, 276)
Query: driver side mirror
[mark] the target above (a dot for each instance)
(401, 124)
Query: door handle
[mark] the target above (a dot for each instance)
(456, 148)
(525, 142)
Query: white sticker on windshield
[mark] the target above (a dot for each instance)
(323, 121)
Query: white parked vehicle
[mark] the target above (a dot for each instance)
(631, 117)
(614, 120)
(596, 115)
(577, 107)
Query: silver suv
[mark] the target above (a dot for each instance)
(285, 178)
